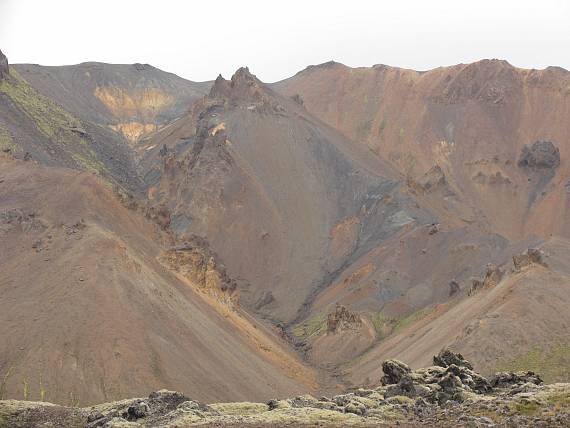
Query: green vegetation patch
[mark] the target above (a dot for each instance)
(525, 408)
(312, 327)
(553, 364)
(385, 325)
(53, 121)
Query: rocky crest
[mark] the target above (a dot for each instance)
(448, 394)
(532, 256)
(3, 65)
(492, 277)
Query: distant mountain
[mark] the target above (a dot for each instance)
(132, 99)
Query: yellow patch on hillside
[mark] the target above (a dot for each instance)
(145, 104)
(133, 131)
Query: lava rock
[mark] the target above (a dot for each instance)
(394, 371)
(510, 379)
(446, 358)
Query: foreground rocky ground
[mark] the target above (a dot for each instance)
(448, 394)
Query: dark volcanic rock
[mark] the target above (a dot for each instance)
(446, 358)
(509, 379)
(453, 288)
(541, 155)
(3, 65)
(394, 371)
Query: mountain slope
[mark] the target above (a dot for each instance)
(133, 100)
(285, 200)
(89, 312)
(521, 320)
(472, 121)
(34, 126)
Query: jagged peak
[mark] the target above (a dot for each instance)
(243, 74)
(243, 86)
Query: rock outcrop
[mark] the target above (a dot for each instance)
(342, 319)
(194, 260)
(431, 181)
(447, 357)
(453, 288)
(3, 65)
(532, 256)
(542, 155)
(493, 276)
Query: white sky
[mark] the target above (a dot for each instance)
(200, 39)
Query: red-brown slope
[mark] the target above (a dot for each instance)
(87, 312)
(270, 187)
(521, 319)
(471, 120)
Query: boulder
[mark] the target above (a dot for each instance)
(510, 379)
(446, 358)
(394, 371)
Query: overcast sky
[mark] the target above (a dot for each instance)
(200, 39)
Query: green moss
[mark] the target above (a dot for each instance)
(244, 408)
(560, 401)
(526, 408)
(552, 364)
(312, 327)
(412, 318)
(52, 121)
(383, 325)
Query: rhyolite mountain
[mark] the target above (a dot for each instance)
(295, 233)
(132, 99)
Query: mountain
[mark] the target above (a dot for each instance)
(472, 121)
(483, 147)
(515, 323)
(286, 201)
(131, 99)
(234, 240)
(98, 304)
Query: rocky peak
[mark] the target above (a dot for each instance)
(342, 319)
(243, 87)
(3, 65)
